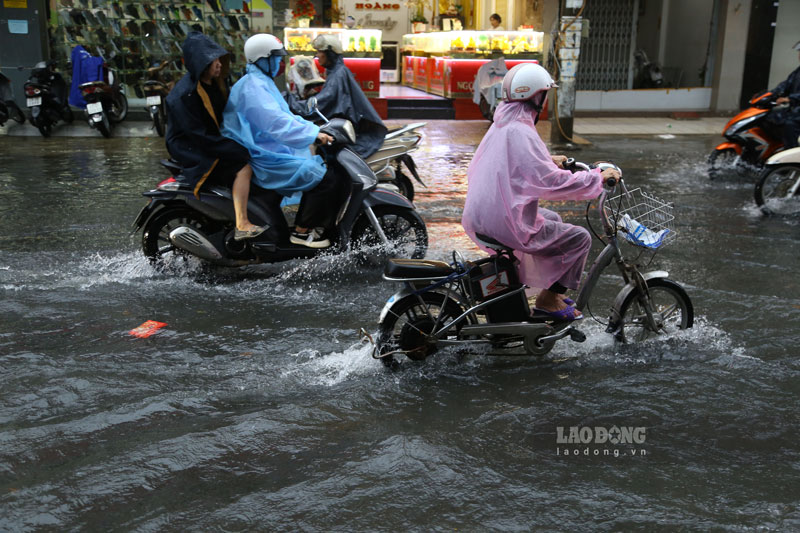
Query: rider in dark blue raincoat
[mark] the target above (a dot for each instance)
(194, 119)
(788, 92)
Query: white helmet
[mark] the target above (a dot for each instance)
(327, 41)
(263, 45)
(525, 81)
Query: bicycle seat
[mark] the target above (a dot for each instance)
(494, 244)
(416, 269)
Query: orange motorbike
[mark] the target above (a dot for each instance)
(751, 137)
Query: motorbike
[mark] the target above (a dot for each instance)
(8, 107)
(47, 98)
(155, 91)
(482, 304)
(175, 223)
(648, 75)
(395, 152)
(106, 103)
(752, 137)
(778, 189)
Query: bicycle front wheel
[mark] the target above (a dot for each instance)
(668, 305)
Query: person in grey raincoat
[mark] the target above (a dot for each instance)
(194, 119)
(342, 97)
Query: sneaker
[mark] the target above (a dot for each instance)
(312, 239)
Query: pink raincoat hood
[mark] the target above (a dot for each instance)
(510, 172)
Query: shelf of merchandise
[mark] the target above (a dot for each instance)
(132, 36)
(362, 52)
(445, 63)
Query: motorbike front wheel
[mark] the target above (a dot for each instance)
(156, 244)
(404, 185)
(119, 107)
(403, 227)
(722, 162)
(669, 306)
(778, 190)
(405, 329)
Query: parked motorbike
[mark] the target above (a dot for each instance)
(752, 137)
(8, 107)
(395, 152)
(47, 98)
(176, 223)
(778, 189)
(156, 89)
(482, 304)
(648, 75)
(106, 103)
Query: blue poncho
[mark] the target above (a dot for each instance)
(257, 117)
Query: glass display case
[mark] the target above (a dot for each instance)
(526, 44)
(355, 43)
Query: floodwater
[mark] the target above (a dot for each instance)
(258, 407)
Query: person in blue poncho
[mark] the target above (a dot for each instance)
(258, 118)
(194, 113)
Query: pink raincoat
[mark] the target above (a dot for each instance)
(510, 172)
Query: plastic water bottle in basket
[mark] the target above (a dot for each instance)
(641, 218)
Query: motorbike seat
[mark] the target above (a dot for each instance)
(416, 269)
(494, 244)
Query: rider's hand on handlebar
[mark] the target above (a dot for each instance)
(782, 100)
(559, 160)
(324, 138)
(610, 174)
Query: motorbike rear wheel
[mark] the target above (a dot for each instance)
(119, 107)
(68, 115)
(160, 121)
(45, 128)
(404, 185)
(156, 244)
(778, 190)
(104, 126)
(669, 305)
(410, 321)
(16, 114)
(403, 227)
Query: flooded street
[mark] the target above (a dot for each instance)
(259, 408)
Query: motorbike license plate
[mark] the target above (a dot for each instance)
(154, 100)
(95, 107)
(33, 102)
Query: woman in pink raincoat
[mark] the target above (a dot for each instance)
(510, 172)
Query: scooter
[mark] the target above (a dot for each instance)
(155, 92)
(8, 107)
(395, 152)
(46, 98)
(106, 103)
(778, 189)
(482, 304)
(752, 137)
(176, 224)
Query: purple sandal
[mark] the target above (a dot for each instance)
(565, 315)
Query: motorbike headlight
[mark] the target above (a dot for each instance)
(350, 131)
(739, 125)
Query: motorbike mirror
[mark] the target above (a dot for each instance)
(311, 104)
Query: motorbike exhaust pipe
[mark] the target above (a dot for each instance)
(195, 243)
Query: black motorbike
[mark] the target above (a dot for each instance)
(156, 88)
(177, 224)
(47, 98)
(106, 103)
(8, 107)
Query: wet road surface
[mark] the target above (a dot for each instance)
(258, 408)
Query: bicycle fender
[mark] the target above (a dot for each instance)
(627, 289)
(393, 299)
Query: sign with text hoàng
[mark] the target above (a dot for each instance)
(391, 17)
